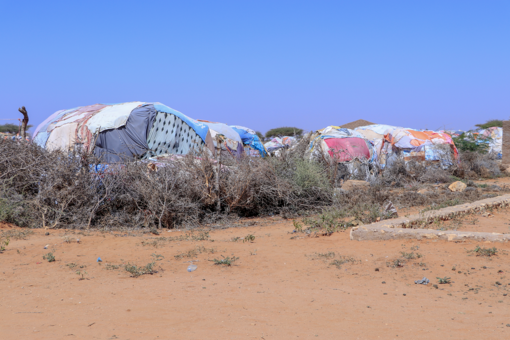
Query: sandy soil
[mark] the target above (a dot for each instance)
(283, 286)
(496, 222)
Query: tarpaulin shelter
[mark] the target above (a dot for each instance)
(494, 137)
(408, 143)
(231, 142)
(342, 145)
(375, 134)
(252, 144)
(113, 131)
(279, 143)
(420, 145)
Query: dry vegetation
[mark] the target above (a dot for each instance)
(55, 189)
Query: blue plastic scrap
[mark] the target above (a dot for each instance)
(423, 281)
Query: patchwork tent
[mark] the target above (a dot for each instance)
(494, 137)
(252, 144)
(342, 145)
(280, 143)
(231, 141)
(134, 129)
(391, 141)
(421, 145)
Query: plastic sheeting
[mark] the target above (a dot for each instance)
(129, 140)
(279, 143)
(250, 140)
(123, 129)
(66, 128)
(176, 134)
(347, 149)
(496, 140)
(344, 145)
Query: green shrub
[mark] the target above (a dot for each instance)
(467, 142)
(49, 257)
(138, 271)
(491, 123)
(310, 175)
(284, 131)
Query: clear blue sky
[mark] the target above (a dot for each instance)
(262, 64)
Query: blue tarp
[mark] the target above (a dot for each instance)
(250, 139)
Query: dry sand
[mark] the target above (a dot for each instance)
(279, 288)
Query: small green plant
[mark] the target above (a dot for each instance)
(235, 239)
(325, 224)
(202, 236)
(157, 257)
(154, 242)
(398, 263)
(249, 238)
(71, 265)
(485, 251)
(226, 261)
(327, 255)
(195, 252)
(17, 234)
(297, 226)
(136, 271)
(110, 266)
(443, 280)
(49, 257)
(82, 274)
(410, 256)
(344, 259)
(4, 243)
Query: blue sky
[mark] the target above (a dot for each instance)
(262, 64)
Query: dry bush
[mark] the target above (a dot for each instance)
(474, 165)
(39, 188)
(54, 189)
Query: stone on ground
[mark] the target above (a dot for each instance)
(355, 185)
(458, 186)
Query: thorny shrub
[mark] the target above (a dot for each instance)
(40, 188)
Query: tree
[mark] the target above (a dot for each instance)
(260, 135)
(468, 142)
(490, 123)
(284, 131)
(24, 122)
(9, 128)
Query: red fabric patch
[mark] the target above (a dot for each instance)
(346, 149)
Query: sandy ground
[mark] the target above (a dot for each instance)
(282, 286)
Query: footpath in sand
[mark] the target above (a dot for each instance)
(283, 285)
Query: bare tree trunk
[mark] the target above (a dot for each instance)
(24, 122)
(218, 169)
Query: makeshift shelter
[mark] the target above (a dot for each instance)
(133, 129)
(231, 142)
(375, 134)
(420, 145)
(252, 145)
(342, 145)
(392, 141)
(279, 143)
(494, 137)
